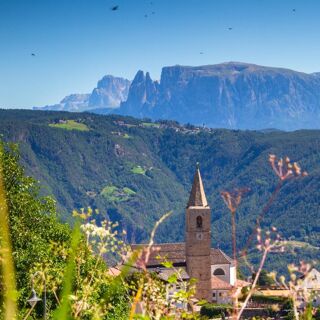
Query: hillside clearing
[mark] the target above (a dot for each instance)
(70, 125)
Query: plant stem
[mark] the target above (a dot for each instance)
(263, 260)
(265, 209)
(234, 251)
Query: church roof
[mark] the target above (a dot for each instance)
(219, 257)
(197, 196)
(219, 284)
(173, 252)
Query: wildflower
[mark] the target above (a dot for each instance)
(284, 169)
(233, 198)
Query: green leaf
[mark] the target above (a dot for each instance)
(167, 264)
(173, 278)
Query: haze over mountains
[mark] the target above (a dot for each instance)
(108, 94)
(229, 95)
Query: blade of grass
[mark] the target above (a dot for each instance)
(8, 274)
(64, 310)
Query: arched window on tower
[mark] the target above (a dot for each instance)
(199, 222)
(219, 272)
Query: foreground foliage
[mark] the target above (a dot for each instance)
(42, 244)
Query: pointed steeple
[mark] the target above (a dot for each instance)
(197, 196)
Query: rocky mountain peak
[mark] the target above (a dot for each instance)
(109, 93)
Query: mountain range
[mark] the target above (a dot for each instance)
(230, 95)
(134, 171)
(108, 94)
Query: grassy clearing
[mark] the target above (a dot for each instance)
(301, 244)
(138, 170)
(114, 194)
(150, 125)
(129, 191)
(70, 125)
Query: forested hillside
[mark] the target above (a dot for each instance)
(134, 171)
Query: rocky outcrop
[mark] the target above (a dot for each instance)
(109, 93)
(142, 95)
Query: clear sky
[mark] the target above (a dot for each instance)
(77, 42)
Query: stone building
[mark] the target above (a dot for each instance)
(212, 268)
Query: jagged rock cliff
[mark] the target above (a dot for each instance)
(228, 95)
(109, 93)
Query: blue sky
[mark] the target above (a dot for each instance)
(77, 42)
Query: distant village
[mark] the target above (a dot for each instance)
(184, 129)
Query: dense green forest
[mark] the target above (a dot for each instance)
(134, 171)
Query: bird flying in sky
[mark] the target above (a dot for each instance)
(114, 8)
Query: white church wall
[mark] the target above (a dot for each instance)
(225, 268)
(233, 276)
(221, 296)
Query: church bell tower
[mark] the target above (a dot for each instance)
(198, 239)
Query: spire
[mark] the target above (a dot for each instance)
(197, 196)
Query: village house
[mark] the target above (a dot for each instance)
(309, 289)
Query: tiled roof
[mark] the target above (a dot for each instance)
(242, 283)
(114, 271)
(173, 252)
(218, 284)
(219, 257)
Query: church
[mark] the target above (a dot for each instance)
(214, 271)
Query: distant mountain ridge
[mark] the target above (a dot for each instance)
(231, 95)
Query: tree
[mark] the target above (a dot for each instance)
(264, 279)
(33, 222)
(42, 244)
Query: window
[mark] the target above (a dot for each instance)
(213, 294)
(219, 272)
(199, 222)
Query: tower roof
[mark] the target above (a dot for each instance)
(197, 196)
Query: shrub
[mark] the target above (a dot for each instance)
(215, 310)
(269, 299)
